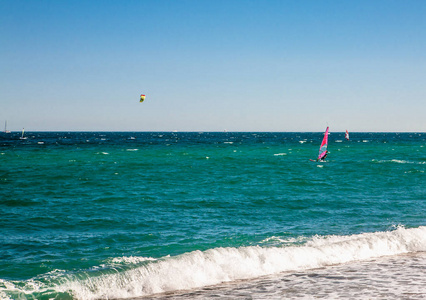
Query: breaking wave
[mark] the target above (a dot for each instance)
(127, 277)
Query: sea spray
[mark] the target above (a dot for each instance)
(202, 268)
(197, 269)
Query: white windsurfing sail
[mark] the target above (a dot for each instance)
(22, 136)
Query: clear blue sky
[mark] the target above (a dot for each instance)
(213, 65)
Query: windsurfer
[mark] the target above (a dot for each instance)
(323, 158)
(323, 148)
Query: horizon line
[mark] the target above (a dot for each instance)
(204, 131)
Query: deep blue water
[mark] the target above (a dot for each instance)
(84, 206)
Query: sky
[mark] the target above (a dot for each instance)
(217, 65)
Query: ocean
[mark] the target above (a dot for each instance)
(200, 215)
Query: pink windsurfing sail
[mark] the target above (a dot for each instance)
(323, 147)
(347, 135)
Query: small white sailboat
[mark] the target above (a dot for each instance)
(5, 127)
(22, 136)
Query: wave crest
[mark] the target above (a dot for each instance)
(201, 268)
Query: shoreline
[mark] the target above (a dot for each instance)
(387, 277)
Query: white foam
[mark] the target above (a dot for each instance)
(390, 277)
(274, 240)
(400, 161)
(280, 154)
(201, 268)
(197, 269)
(132, 259)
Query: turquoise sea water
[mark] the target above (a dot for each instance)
(95, 215)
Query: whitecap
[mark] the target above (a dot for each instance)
(131, 259)
(201, 268)
(132, 277)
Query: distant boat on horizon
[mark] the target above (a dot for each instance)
(5, 127)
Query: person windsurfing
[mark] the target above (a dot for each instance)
(323, 152)
(323, 158)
